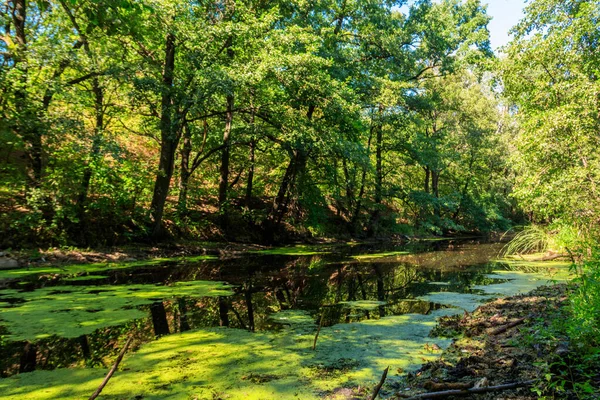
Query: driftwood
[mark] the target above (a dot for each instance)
(439, 386)
(506, 327)
(112, 370)
(380, 384)
(464, 392)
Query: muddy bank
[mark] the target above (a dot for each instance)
(502, 342)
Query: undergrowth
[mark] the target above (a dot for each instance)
(572, 333)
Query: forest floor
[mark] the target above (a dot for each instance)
(503, 342)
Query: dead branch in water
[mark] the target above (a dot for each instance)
(112, 370)
(380, 384)
(459, 392)
(319, 329)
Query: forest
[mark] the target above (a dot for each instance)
(375, 140)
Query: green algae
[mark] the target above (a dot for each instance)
(362, 257)
(302, 250)
(294, 318)
(72, 311)
(76, 269)
(466, 301)
(363, 304)
(516, 282)
(510, 283)
(236, 364)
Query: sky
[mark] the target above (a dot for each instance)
(505, 14)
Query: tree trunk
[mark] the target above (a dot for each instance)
(28, 358)
(159, 319)
(379, 166)
(223, 311)
(169, 140)
(378, 175)
(224, 169)
(435, 179)
(361, 192)
(250, 180)
(296, 166)
(184, 325)
(349, 188)
(184, 172)
(380, 290)
(225, 153)
(426, 186)
(95, 151)
(85, 347)
(29, 126)
(248, 296)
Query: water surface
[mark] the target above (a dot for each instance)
(244, 326)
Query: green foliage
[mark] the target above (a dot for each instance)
(321, 97)
(585, 303)
(550, 75)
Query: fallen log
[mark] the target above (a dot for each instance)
(464, 392)
(380, 384)
(112, 370)
(506, 327)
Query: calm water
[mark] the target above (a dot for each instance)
(340, 284)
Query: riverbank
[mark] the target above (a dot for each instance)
(511, 348)
(60, 256)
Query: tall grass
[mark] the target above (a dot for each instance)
(539, 239)
(532, 239)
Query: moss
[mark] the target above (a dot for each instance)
(90, 268)
(363, 304)
(71, 311)
(236, 364)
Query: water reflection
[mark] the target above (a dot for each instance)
(335, 286)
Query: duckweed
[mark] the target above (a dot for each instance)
(71, 311)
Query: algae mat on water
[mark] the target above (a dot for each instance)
(75, 269)
(72, 311)
(236, 364)
(301, 250)
(509, 283)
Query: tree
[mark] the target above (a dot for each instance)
(550, 73)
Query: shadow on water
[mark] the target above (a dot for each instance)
(267, 293)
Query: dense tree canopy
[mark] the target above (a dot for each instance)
(121, 117)
(254, 120)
